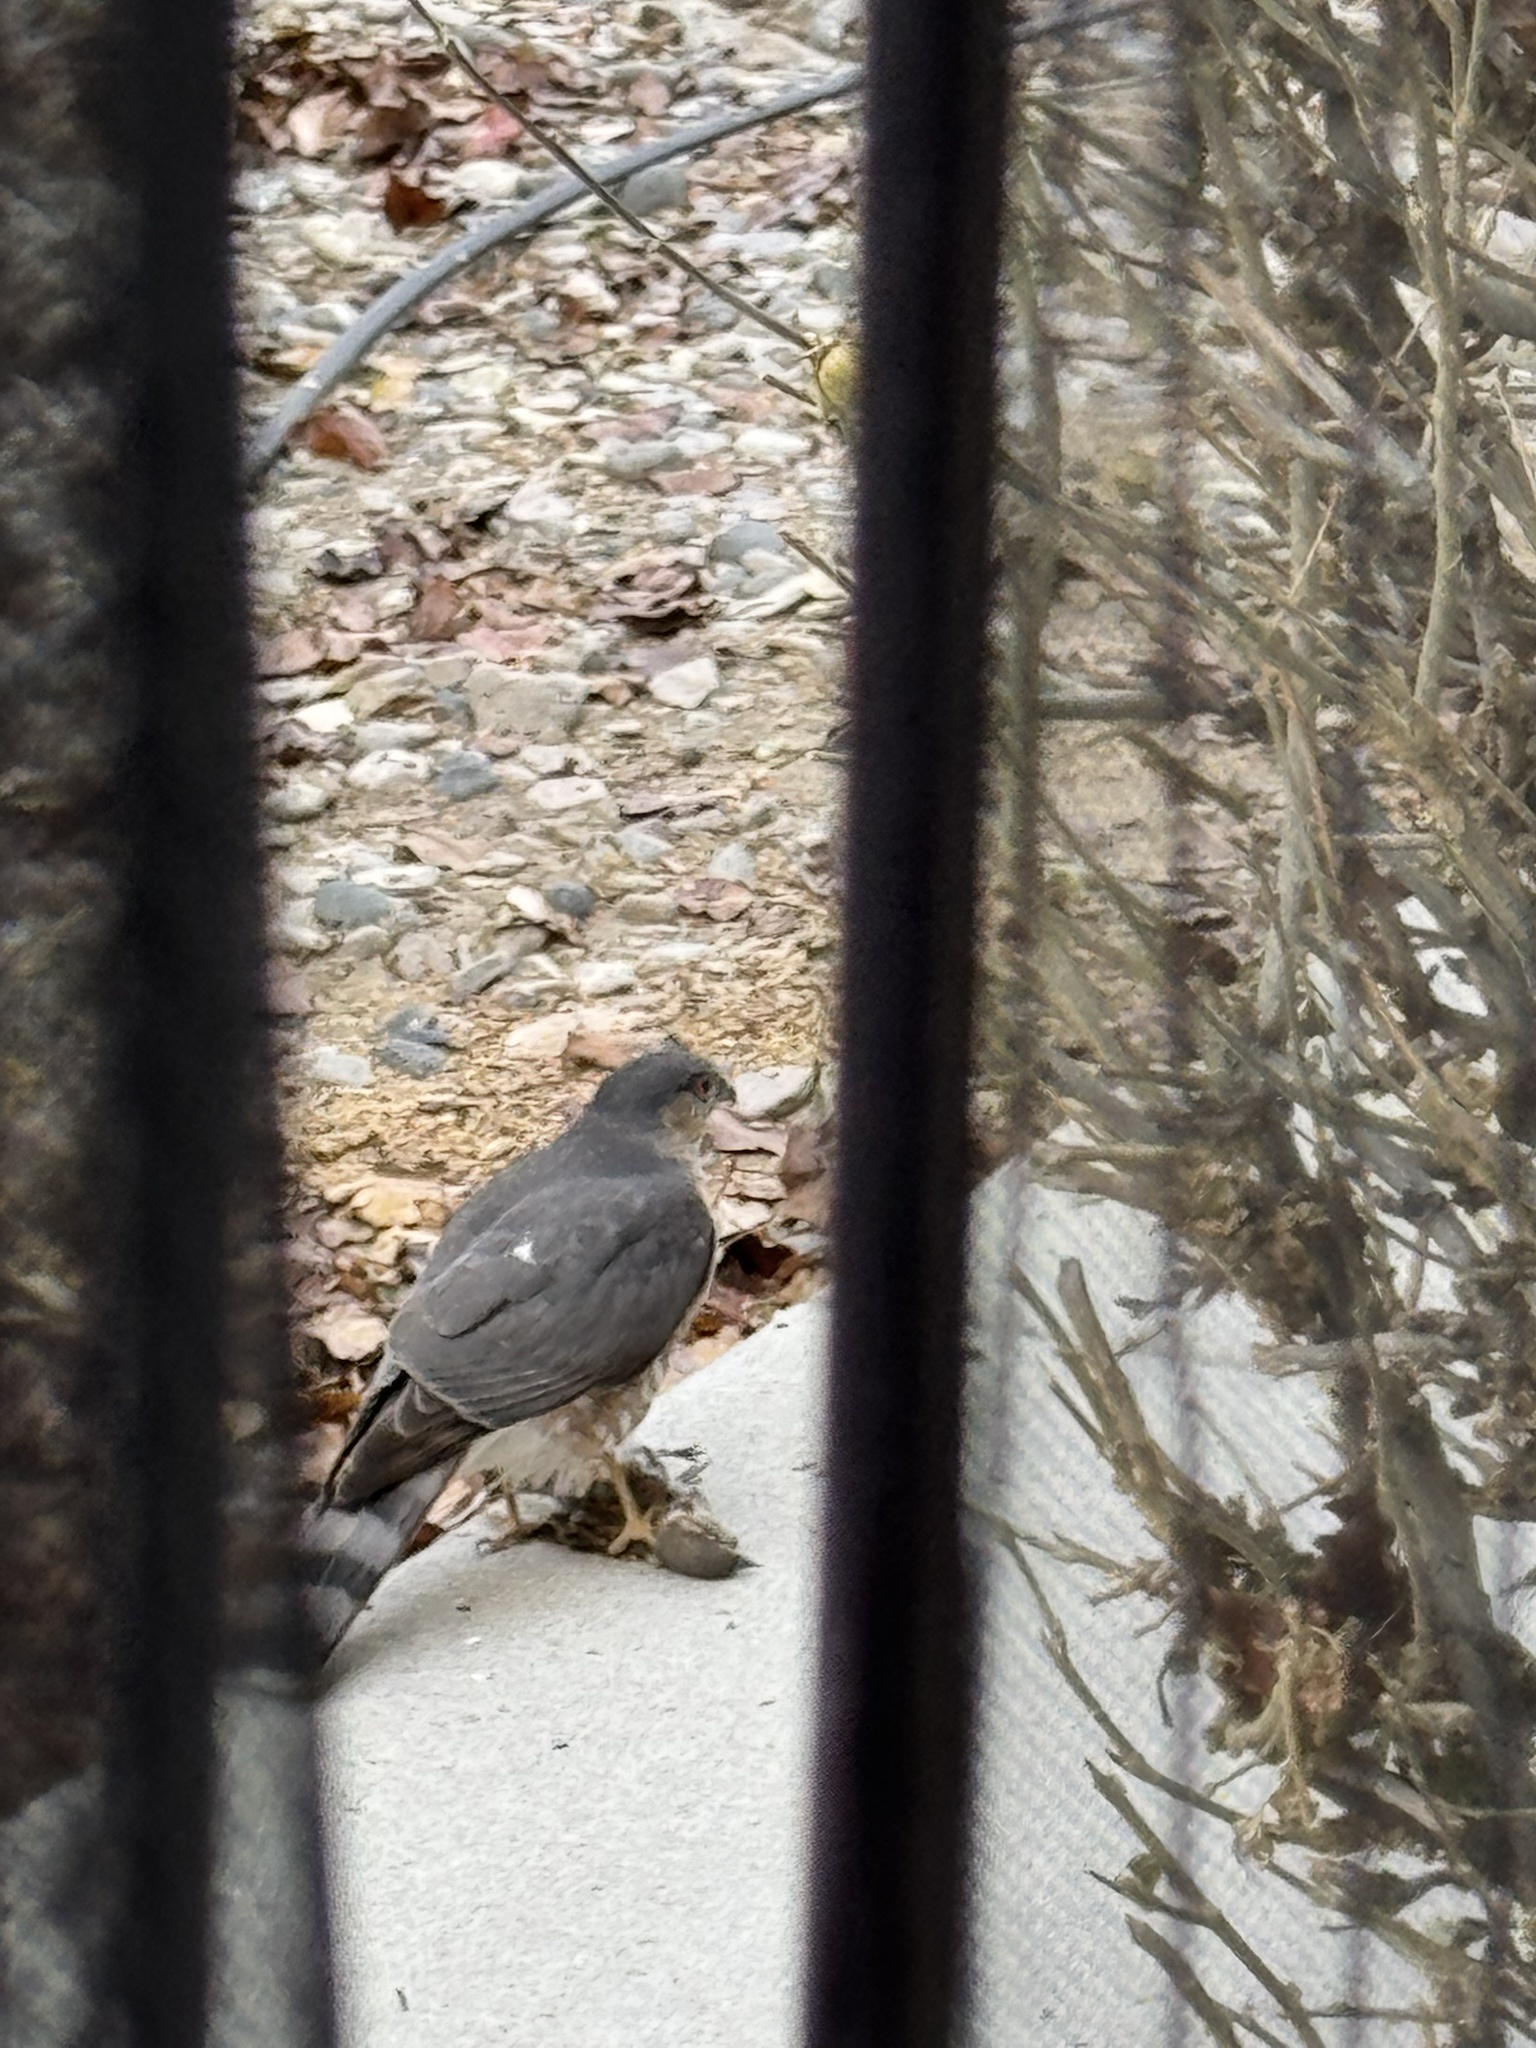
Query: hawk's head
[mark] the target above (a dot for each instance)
(671, 1087)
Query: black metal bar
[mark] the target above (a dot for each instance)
(194, 940)
(889, 1819)
(132, 1086)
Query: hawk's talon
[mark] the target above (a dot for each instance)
(638, 1526)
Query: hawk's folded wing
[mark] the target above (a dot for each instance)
(574, 1286)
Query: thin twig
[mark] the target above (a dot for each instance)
(816, 559)
(517, 107)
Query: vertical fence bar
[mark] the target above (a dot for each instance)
(195, 932)
(889, 1817)
(137, 1166)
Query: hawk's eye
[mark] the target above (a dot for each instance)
(702, 1087)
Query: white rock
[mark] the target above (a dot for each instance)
(537, 504)
(639, 844)
(1513, 239)
(602, 977)
(392, 769)
(830, 24)
(529, 903)
(686, 686)
(343, 239)
(282, 691)
(406, 878)
(772, 1091)
(341, 1069)
(263, 191)
(734, 863)
(566, 792)
(303, 877)
(697, 442)
(546, 760)
(299, 936)
(295, 799)
(381, 733)
(420, 955)
(392, 596)
(771, 444)
(541, 1038)
(330, 714)
(366, 942)
(490, 181)
(349, 1332)
(370, 693)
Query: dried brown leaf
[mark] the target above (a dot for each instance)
(408, 204)
(344, 433)
(439, 612)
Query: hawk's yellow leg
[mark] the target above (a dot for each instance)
(638, 1527)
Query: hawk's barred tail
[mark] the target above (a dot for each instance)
(346, 1551)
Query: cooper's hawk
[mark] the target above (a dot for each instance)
(543, 1315)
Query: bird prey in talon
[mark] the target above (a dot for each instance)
(536, 1337)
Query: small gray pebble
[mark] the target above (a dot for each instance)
(491, 967)
(639, 843)
(464, 775)
(375, 735)
(656, 188)
(420, 954)
(479, 975)
(366, 942)
(340, 1069)
(762, 581)
(351, 904)
(571, 899)
(453, 704)
(628, 460)
(828, 27)
(674, 523)
(742, 538)
(834, 281)
(410, 1056)
(348, 565)
(416, 1021)
(734, 863)
(294, 799)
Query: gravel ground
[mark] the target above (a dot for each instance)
(549, 698)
